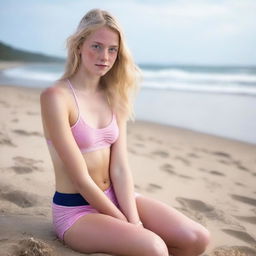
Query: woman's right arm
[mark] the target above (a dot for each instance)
(55, 117)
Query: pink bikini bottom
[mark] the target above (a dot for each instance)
(65, 216)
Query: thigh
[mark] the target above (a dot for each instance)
(172, 226)
(102, 233)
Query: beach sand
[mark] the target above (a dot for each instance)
(10, 64)
(208, 178)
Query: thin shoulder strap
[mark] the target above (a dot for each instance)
(74, 93)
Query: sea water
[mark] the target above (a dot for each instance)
(211, 99)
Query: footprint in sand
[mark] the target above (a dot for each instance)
(244, 199)
(25, 165)
(5, 140)
(18, 197)
(239, 165)
(217, 173)
(160, 153)
(244, 236)
(224, 161)
(137, 186)
(183, 160)
(249, 219)
(22, 169)
(240, 184)
(151, 187)
(25, 133)
(168, 168)
(185, 177)
(213, 172)
(200, 210)
(193, 155)
(221, 154)
(195, 205)
(138, 153)
(196, 209)
(27, 161)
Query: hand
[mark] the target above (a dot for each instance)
(122, 217)
(138, 224)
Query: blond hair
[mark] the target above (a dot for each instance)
(121, 81)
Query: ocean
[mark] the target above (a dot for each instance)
(210, 99)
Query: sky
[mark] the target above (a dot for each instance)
(183, 32)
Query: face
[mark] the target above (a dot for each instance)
(99, 51)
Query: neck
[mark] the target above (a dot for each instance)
(84, 81)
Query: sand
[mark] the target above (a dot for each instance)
(10, 64)
(210, 179)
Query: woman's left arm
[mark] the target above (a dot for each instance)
(121, 176)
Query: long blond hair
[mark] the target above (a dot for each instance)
(121, 81)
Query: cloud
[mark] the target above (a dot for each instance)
(157, 31)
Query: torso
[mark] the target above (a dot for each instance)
(97, 113)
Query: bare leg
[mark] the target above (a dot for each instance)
(101, 233)
(183, 236)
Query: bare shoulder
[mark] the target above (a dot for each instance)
(54, 96)
(54, 92)
(54, 100)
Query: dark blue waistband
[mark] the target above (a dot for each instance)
(69, 199)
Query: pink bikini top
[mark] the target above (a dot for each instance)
(91, 139)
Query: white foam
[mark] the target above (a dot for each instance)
(233, 89)
(176, 74)
(25, 73)
(169, 79)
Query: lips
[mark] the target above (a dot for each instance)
(101, 65)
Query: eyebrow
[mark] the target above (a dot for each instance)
(116, 46)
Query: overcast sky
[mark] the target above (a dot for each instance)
(213, 32)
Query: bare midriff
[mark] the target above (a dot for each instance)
(97, 163)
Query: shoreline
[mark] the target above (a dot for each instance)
(227, 115)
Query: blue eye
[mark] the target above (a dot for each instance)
(96, 46)
(113, 49)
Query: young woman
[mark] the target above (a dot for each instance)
(84, 117)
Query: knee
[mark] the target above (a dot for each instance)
(198, 241)
(203, 239)
(156, 247)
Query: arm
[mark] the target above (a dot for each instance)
(121, 175)
(55, 116)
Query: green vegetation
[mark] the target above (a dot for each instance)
(8, 53)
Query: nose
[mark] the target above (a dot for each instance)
(104, 55)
